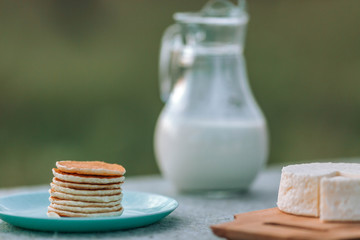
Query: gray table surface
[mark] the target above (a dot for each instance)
(191, 220)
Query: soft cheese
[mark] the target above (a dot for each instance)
(340, 199)
(317, 189)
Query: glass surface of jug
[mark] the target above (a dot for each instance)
(211, 134)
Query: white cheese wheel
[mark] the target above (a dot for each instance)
(324, 190)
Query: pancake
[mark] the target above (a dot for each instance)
(85, 186)
(91, 168)
(88, 179)
(86, 189)
(91, 192)
(52, 212)
(86, 209)
(101, 199)
(82, 204)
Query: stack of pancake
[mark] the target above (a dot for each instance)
(86, 189)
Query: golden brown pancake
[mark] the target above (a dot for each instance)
(90, 179)
(91, 192)
(86, 209)
(85, 186)
(103, 199)
(52, 212)
(91, 168)
(82, 204)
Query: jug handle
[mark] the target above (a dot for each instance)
(171, 41)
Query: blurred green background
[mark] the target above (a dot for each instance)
(78, 80)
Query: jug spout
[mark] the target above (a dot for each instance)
(223, 8)
(219, 22)
(217, 12)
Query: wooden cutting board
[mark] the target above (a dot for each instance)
(272, 224)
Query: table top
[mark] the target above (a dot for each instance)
(191, 220)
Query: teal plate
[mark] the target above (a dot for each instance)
(28, 210)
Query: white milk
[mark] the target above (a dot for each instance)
(210, 155)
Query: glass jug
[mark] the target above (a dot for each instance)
(211, 134)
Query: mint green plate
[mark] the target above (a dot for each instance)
(28, 210)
